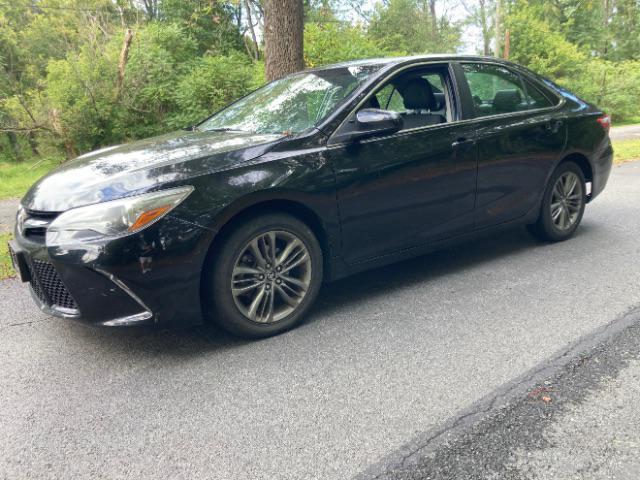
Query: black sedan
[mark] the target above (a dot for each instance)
(313, 177)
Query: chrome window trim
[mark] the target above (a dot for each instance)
(558, 106)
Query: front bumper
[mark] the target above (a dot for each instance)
(148, 278)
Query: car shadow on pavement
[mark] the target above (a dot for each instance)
(432, 266)
(334, 297)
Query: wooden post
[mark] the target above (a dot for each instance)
(507, 44)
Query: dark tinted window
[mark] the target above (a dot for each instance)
(536, 98)
(494, 89)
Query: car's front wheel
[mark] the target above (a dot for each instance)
(264, 277)
(563, 204)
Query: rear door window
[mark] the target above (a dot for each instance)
(494, 89)
(536, 98)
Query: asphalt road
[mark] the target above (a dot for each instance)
(387, 357)
(625, 132)
(8, 209)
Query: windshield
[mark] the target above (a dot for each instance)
(292, 104)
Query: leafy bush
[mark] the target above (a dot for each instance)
(161, 54)
(79, 97)
(211, 83)
(336, 42)
(541, 49)
(613, 86)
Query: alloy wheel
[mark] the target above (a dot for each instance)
(271, 276)
(566, 201)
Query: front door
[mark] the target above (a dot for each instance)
(415, 186)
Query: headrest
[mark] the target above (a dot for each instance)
(440, 101)
(507, 100)
(418, 95)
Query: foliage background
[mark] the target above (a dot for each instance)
(60, 94)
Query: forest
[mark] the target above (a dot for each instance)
(77, 75)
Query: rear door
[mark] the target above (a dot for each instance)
(520, 137)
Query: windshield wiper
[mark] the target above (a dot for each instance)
(223, 129)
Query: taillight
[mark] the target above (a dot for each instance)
(605, 122)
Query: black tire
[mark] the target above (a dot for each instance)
(545, 228)
(220, 303)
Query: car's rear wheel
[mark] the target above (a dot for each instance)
(264, 277)
(563, 204)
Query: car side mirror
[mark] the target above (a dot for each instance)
(371, 122)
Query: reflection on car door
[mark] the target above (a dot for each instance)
(412, 187)
(519, 139)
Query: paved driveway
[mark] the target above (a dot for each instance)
(387, 355)
(627, 132)
(8, 214)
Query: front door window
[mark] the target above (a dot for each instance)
(420, 96)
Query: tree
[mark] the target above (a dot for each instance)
(283, 37)
(412, 26)
(498, 28)
(480, 16)
(336, 42)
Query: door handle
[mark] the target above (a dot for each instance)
(553, 126)
(463, 142)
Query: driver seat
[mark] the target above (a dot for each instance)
(419, 100)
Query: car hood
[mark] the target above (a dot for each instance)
(122, 170)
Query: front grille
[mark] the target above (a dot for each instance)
(48, 286)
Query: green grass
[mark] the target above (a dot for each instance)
(626, 150)
(6, 269)
(17, 177)
(626, 121)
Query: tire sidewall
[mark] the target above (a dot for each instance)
(549, 228)
(219, 302)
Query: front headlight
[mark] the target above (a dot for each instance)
(116, 218)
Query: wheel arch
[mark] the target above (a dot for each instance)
(583, 162)
(251, 206)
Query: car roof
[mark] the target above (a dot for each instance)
(389, 61)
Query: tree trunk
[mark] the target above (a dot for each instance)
(283, 37)
(124, 56)
(255, 52)
(33, 143)
(605, 26)
(15, 148)
(434, 21)
(484, 25)
(498, 35)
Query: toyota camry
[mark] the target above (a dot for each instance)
(239, 219)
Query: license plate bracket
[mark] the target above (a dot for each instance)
(19, 260)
